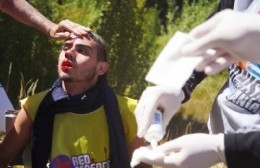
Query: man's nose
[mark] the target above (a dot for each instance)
(69, 54)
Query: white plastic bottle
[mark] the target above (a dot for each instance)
(155, 132)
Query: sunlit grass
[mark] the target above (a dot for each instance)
(199, 106)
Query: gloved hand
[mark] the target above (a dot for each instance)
(232, 34)
(166, 98)
(147, 155)
(189, 151)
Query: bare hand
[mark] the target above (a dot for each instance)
(65, 28)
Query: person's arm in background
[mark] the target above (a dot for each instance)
(24, 12)
(16, 138)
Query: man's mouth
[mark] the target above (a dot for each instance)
(66, 66)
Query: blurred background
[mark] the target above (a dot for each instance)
(135, 30)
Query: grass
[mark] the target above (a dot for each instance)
(203, 97)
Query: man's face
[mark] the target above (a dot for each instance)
(78, 61)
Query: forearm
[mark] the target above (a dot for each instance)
(191, 84)
(22, 11)
(11, 146)
(242, 150)
(4, 159)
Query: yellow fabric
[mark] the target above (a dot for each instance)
(83, 138)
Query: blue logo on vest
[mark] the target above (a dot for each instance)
(61, 161)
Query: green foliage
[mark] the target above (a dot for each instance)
(27, 88)
(203, 97)
(123, 28)
(136, 32)
(30, 53)
(83, 12)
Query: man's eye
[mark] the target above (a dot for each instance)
(65, 47)
(81, 51)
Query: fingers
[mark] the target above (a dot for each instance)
(214, 63)
(172, 151)
(202, 36)
(208, 57)
(146, 155)
(65, 28)
(73, 27)
(206, 35)
(173, 159)
(61, 35)
(170, 146)
(219, 64)
(168, 115)
(144, 111)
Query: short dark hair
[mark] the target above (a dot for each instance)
(101, 46)
(101, 50)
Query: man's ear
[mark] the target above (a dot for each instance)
(102, 68)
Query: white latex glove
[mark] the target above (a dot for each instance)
(147, 155)
(189, 151)
(153, 97)
(234, 35)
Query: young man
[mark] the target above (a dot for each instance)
(24, 12)
(79, 122)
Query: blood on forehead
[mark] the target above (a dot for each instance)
(73, 37)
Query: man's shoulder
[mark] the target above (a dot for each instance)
(38, 95)
(126, 102)
(36, 98)
(31, 103)
(41, 94)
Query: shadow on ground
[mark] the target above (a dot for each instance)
(180, 125)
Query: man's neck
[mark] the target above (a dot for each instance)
(76, 88)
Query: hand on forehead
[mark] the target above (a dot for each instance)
(84, 39)
(89, 36)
